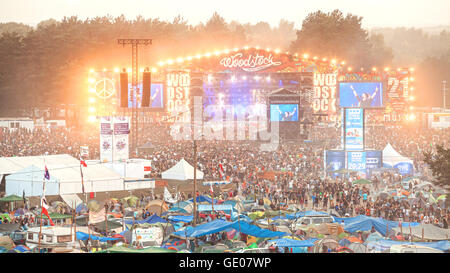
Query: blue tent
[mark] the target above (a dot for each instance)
(181, 218)
(85, 236)
(221, 225)
(365, 223)
(149, 220)
(81, 208)
(178, 209)
(286, 242)
(203, 198)
(305, 213)
(385, 244)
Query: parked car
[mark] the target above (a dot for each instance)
(413, 249)
(311, 220)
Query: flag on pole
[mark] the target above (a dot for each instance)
(45, 209)
(211, 189)
(221, 172)
(46, 174)
(83, 163)
(81, 173)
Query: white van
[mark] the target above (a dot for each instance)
(413, 249)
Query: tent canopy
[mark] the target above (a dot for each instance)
(392, 159)
(181, 171)
(11, 198)
(430, 232)
(221, 225)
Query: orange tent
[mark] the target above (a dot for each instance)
(353, 239)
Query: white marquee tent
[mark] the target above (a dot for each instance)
(182, 171)
(27, 173)
(391, 157)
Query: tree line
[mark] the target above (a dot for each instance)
(47, 65)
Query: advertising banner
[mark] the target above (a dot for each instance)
(356, 161)
(114, 147)
(373, 160)
(106, 145)
(354, 129)
(334, 160)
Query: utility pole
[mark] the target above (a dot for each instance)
(195, 182)
(445, 91)
(135, 81)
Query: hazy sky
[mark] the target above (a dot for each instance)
(409, 13)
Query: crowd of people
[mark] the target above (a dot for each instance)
(299, 174)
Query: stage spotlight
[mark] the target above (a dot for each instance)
(324, 59)
(189, 58)
(268, 78)
(92, 90)
(104, 69)
(180, 60)
(208, 54)
(305, 56)
(169, 61)
(91, 80)
(343, 62)
(92, 119)
(236, 49)
(116, 70)
(233, 78)
(333, 61)
(217, 53)
(349, 69)
(411, 69)
(154, 70)
(198, 56)
(412, 98)
(92, 70)
(277, 51)
(141, 70)
(129, 70)
(91, 109)
(161, 63)
(315, 58)
(244, 77)
(91, 100)
(374, 69)
(386, 69)
(411, 79)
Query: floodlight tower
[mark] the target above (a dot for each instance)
(135, 80)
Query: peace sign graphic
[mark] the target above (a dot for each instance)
(105, 88)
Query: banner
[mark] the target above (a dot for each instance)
(84, 151)
(356, 161)
(334, 160)
(354, 129)
(373, 161)
(114, 147)
(324, 99)
(106, 145)
(178, 87)
(120, 140)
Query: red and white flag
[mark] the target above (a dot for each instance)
(211, 189)
(45, 209)
(83, 163)
(221, 172)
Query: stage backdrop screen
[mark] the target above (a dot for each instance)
(156, 95)
(361, 94)
(284, 112)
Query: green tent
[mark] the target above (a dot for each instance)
(362, 182)
(11, 198)
(122, 249)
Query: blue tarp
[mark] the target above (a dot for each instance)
(178, 209)
(149, 220)
(85, 236)
(221, 225)
(385, 244)
(181, 218)
(286, 242)
(365, 223)
(203, 198)
(221, 207)
(304, 213)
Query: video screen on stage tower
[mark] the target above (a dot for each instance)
(361, 94)
(156, 95)
(284, 112)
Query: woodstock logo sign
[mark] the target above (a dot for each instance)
(250, 64)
